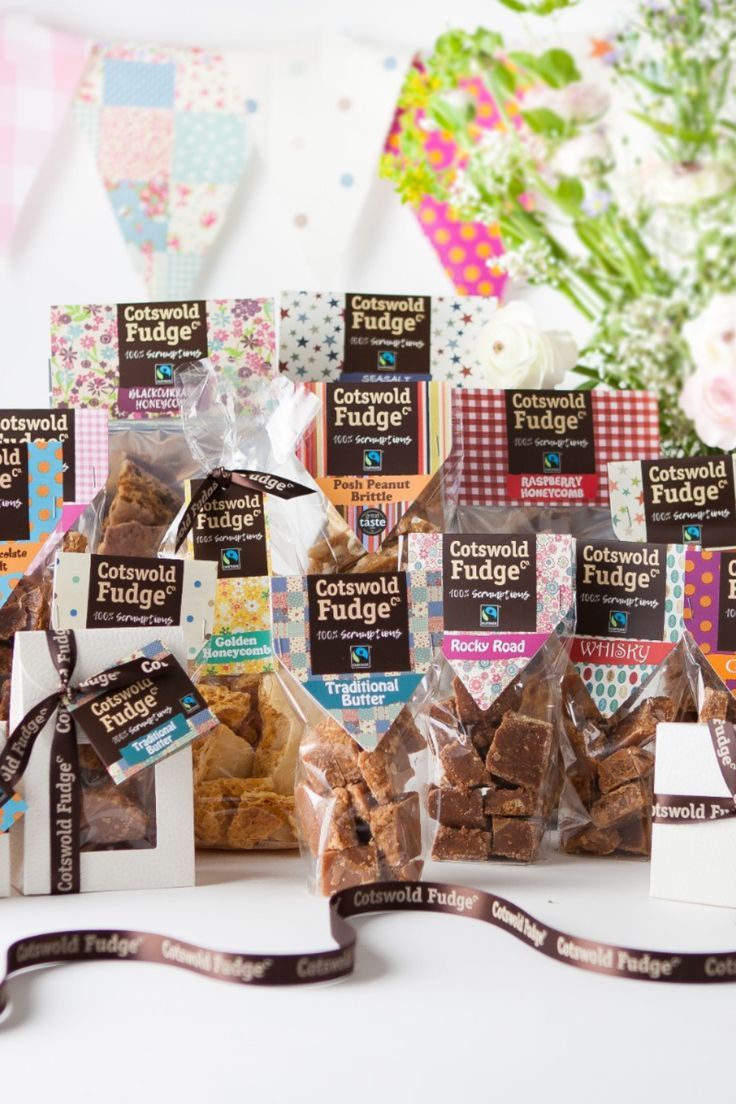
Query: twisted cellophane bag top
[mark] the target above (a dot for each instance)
(353, 652)
(628, 672)
(491, 712)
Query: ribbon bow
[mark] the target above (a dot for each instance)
(64, 781)
(220, 479)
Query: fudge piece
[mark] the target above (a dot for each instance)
(140, 496)
(462, 765)
(351, 866)
(467, 710)
(456, 808)
(624, 766)
(714, 706)
(406, 733)
(217, 801)
(262, 819)
(620, 804)
(231, 707)
(221, 754)
(330, 758)
(278, 748)
(592, 841)
(516, 838)
(409, 872)
(130, 538)
(397, 829)
(636, 834)
(110, 818)
(214, 805)
(386, 769)
(461, 844)
(513, 801)
(536, 698)
(576, 699)
(362, 800)
(74, 542)
(521, 751)
(640, 726)
(508, 701)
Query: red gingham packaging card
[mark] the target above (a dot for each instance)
(545, 448)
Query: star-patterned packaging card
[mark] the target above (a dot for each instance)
(629, 615)
(122, 356)
(503, 597)
(710, 609)
(327, 335)
(374, 448)
(359, 644)
(559, 448)
(688, 501)
(31, 503)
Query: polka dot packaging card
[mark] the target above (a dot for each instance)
(31, 501)
(503, 596)
(97, 592)
(710, 609)
(328, 335)
(121, 357)
(629, 615)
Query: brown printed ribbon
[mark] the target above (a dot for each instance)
(695, 808)
(222, 478)
(64, 782)
(243, 968)
(723, 735)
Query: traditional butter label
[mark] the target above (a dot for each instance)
(387, 335)
(358, 623)
(550, 438)
(100, 591)
(22, 426)
(489, 583)
(230, 530)
(620, 589)
(14, 505)
(690, 501)
(141, 711)
(153, 339)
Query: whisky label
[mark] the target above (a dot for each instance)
(620, 589)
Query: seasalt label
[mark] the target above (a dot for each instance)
(22, 426)
(153, 339)
(620, 589)
(387, 335)
(550, 440)
(14, 504)
(690, 501)
(358, 624)
(132, 590)
(230, 529)
(489, 583)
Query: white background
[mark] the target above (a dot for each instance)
(440, 1009)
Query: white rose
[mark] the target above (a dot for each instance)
(711, 336)
(582, 155)
(579, 102)
(515, 353)
(687, 184)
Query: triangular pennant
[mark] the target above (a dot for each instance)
(39, 70)
(168, 126)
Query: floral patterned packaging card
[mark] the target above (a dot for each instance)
(241, 641)
(678, 501)
(523, 448)
(121, 357)
(360, 644)
(629, 615)
(503, 596)
(31, 503)
(330, 335)
(710, 609)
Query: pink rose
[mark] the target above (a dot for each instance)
(709, 399)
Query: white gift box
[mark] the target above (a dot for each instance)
(171, 861)
(694, 860)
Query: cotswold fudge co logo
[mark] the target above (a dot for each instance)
(230, 559)
(490, 616)
(163, 373)
(618, 621)
(372, 460)
(189, 703)
(692, 534)
(386, 360)
(360, 656)
(551, 462)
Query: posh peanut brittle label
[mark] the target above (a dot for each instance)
(629, 605)
(503, 597)
(31, 501)
(710, 609)
(360, 644)
(687, 501)
(375, 447)
(551, 446)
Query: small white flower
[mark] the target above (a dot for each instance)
(583, 156)
(686, 184)
(515, 353)
(579, 102)
(711, 336)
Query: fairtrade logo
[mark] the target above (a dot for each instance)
(360, 656)
(189, 703)
(551, 462)
(387, 359)
(230, 558)
(164, 373)
(372, 459)
(618, 621)
(692, 534)
(489, 616)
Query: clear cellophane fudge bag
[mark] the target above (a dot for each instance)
(629, 671)
(491, 714)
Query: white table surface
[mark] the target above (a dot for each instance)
(440, 1009)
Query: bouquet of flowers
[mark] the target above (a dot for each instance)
(640, 236)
